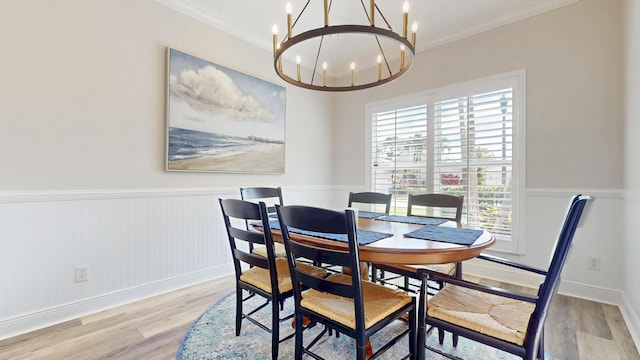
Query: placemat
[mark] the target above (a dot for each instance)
(364, 236)
(369, 214)
(445, 234)
(412, 220)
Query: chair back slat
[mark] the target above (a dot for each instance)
(315, 219)
(325, 285)
(253, 237)
(442, 201)
(326, 256)
(369, 197)
(264, 193)
(252, 259)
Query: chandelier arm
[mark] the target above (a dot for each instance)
(384, 56)
(315, 66)
(365, 11)
(383, 18)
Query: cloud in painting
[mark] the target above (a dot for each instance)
(209, 89)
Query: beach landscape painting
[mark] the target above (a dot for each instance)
(222, 120)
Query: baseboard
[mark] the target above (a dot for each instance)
(603, 295)
(24, 323)
(631, 320)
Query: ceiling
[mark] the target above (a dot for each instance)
(439, 22)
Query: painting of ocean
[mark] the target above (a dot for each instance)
(219, 119)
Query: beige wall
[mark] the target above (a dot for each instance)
(82, 98)
(572, 57)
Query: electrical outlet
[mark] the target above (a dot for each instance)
(593, 263)
(82, 273)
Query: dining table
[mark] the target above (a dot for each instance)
(397, 247)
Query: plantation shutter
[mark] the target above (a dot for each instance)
(473, 141)
(399, 153)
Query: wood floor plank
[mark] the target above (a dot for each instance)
(620, 333)
(560, 329)
(594, 324)
(591, 347)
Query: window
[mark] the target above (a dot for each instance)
(466, 140)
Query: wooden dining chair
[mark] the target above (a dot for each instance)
(267, 276)
(373, 198)
(441, 206)
(503, 319)
(347, 304)
(271, 196)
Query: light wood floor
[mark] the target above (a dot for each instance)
(153, 328)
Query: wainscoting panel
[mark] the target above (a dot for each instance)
(138, 243)
(134, 243)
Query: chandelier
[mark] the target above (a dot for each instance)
(385, 46)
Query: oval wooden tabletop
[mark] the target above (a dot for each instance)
(399, 249)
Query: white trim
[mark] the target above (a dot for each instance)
(534, 9)
(74, 195)
(631, 320)
(209, 17)
(54, 315)
(563, 192)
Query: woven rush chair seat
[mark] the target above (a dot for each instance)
(496, 316)
(379, 302)
(261, 278)
(278, 251)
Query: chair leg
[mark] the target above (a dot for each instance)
(541, 346)
(412, 335)
(361, 351)
(440, 336)
(275, 329)
(374, 273)
(459, 276)
(299, 332)
(421, 335)
(238, 310)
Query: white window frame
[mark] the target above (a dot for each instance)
(514, 79)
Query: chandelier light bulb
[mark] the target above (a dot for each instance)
(289, 11)
(353, 75)
(324, 74)
(405, 7)
(275, 38)
(414, 29)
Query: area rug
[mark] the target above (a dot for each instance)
(212, 336)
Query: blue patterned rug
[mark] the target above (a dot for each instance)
(212, 336)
